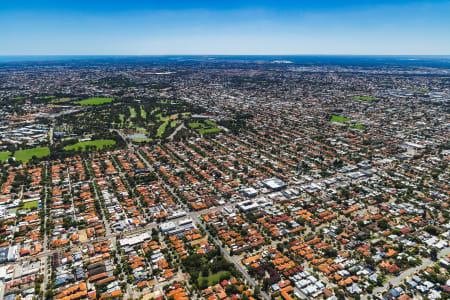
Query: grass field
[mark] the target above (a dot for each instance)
(99, 144)
(139, 140)
(155, 110)
(95, 101)
(209, 130)
(143, 113)
(210, 123)
(26, 155)
(360, 127)
(18, 98)
(215, 278)
(61, 100)
(339, 119)
(141, 130)
(420, 90)
(364, 98)
(166, 118)
(4, 156)
(196, 125)
(132, 112)
(162, 128)
(31, 204)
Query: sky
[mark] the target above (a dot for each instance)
(282, 27)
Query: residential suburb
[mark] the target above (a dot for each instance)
(215, 177)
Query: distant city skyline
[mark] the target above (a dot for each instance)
(229, 28)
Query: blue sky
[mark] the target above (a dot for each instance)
(128, 27)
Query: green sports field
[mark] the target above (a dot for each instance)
(339, 119)
(31, 204)
(61, 100)
(4, 156)
(357, 126)
(209, 130)
(95, 101)
(142, 140)
(99, 144)
(214, 278)
(26, 155)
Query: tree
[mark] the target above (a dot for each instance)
(204, 283)
(433, 254)
(257, 291)
(383, 224)
(49, 294)
(330, 252)
(232, 289)
(265, 284)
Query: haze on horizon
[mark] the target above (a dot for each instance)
(134, 27)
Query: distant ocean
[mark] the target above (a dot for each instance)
(441, 61)
(31, 58)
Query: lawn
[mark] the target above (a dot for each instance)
(339, 119)
(209, 130)
(26, 155)
(99, 144)
(142, 140)
(132, 112)
(61, 100)
(173, 124)
(162, 128)
(196, 125)
(420, 90)
(215, 278)
(214, 265)
(122, 118)
(141, 130)
(161, 118)
(31, 204)
(173, 117)
(210, 123)
(95, 101)
(18, 98)
(360, 127)
(4, 156)
(166, 120)
(143, 113)
(364, 98)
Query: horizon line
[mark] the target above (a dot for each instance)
(225, 54)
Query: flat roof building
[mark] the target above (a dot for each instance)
(274, 184)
